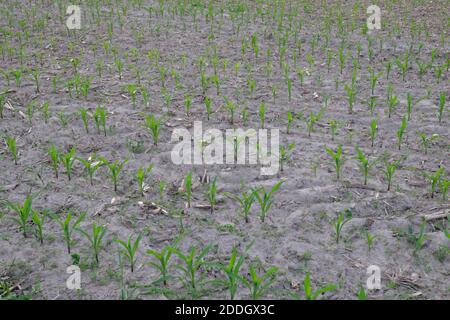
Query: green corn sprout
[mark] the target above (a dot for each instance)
(68, 160)
(401, 132)
(370, 238)
(333, 127)
(154, 125)
(409, 105)
(192, 262)
(163, 258)
(114, 169)
(427, 140)
(231, 271)
(245, 201)
(129, 249)
(373, 131)
(285, 154)
(69, 227)
(54, 157)
(258, 285)
(403, 65)
(392, 103)
(187, 103)
(262, 114)
(364, 164)
(441, 105)
(45, 112)
(2, 104)
(351, 93)
(30, 111)
(433, 179)
(38, 219)
(289, 86)
(311, 294)
(211, 194)
(84, 118)
(372, 104)
(141, 175)
(388, 66)
(338, 159)
(290, 119)
(100, 119)
(231, 107)
(265, 199)
(390, 168)
(311, 121)
(342, 219)
(132, 90)
(362, 295)
(95, 239)
(23, 212)
(188, 188)
(443, 187)
(208, 107)
(12, 148)
(91, 165)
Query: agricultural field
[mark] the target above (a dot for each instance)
(90, 99)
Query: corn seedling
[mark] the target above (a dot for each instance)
(403, 65)
(68, 159)
(12, 148)
(311, 294)
(389, 170)
(373, 131)
(45, 112)
(154, 125)
(392, 103)
(262, 114)
(211, 194)
(2, 104)
(192, 263)
(129, 249)
(342, 219)
(443, 187)
(364, 164)
(84, 118)
(285, 154)
(208, 107)
(100, 119)
(370, 238)
(95, 239)
(441, 105)
(55, 159)
(409, 105)
(231, 271)
(68, 226)
(401, 132)
(265, 199)
(188, 188)
(351, 94)
(338, 159)
(141, 175)
(311, 120)
(427, 140)
(231, 107)
(91, 165)
(245, 202)
(433, 179)
(114, 169)
(290, 119)
(23, 214)
(38, 218)
(162, 264)
(258, 285)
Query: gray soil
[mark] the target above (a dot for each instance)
(297, 236)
